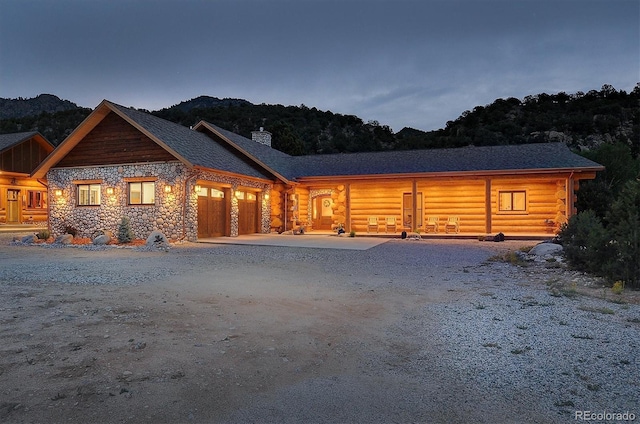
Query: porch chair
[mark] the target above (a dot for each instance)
(433, 222)
(391, 224)
(453, 224)
(372, 223)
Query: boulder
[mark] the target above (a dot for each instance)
(157, 239)
(102, 239)
(544, 249)
(31, 238)
(64, 239)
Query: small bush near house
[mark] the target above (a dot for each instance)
(43, 234)
(125, 234)
(352, 234)
(611, 251)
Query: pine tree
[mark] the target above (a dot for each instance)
(125, 234)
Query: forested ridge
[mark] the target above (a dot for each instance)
(582, 120)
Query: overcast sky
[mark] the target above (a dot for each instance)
(401, 62)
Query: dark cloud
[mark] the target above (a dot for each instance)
(403, 63)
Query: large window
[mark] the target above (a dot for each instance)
(512, 201)
(88, 194)
(407, 210)
(142, 193)
(36, 200)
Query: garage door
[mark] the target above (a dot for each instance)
(212, 212)
(247, 212)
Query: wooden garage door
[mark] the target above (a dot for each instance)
(212, 212)
(247, 212)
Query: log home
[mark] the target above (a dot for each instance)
(208, 182)
(22, 199)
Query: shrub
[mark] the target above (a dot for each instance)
(624, 229)
(125, 234)
(352, 234)
(618, 287)
(586, 244)
(43, 234)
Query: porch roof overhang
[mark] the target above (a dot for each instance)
(581, 173)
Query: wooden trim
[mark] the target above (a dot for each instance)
(414, 207)
(583, 173)
(348, 208)
(487, 202)
(78, 182)
(150, 179)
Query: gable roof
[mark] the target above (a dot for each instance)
(277, 162)
(192, 148)
(8, 141)
(487, 159)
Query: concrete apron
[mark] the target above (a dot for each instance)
(316, 241)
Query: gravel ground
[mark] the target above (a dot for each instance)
(408, 331)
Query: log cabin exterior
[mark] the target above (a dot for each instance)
(22, 199)
(208, 182)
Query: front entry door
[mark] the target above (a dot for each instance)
(322, 212)
(13, 207)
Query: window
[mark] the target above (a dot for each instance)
(407, 210)
(36, 200)
(142, 193)
(88, 194)
(217, 194)
(512, 201)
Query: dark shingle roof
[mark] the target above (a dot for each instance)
(193, 146)
(466, 159)
(274, 159)
(9, 140)
(210, 152)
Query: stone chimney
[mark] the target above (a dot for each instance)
(262, 137)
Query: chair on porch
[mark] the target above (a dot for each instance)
(433, 222)
(453, 224)
(372, 224)
(391, 224)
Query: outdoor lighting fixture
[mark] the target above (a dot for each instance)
(109, 190)
(266, 196)
(58, 192)
(167, 189)
(197, 188)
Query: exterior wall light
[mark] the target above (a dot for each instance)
(58, 192)
(266, 196)
(197, 188)
(167, 189)
(109, 190)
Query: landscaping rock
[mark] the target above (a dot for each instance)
(31, 238)
(157, 239)
(102, 239)
(544, 249)
(64, 239)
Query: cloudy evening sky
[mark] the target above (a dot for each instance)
(400, 62)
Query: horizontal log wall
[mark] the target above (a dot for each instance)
(545, 205)
(24, 185)
(382, 200)
(463, 199)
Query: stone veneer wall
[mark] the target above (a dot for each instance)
(171, 214)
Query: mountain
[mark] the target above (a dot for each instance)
(204, 102)
(44, 103)
(583, 121)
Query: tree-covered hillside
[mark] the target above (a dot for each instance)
(582, 120)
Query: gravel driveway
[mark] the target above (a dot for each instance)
(407, 331)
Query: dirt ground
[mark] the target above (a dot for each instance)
(206, 333)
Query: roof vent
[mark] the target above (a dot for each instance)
(261, 136)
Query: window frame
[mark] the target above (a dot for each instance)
(90, 186)
(512, 202)
(142, 193)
